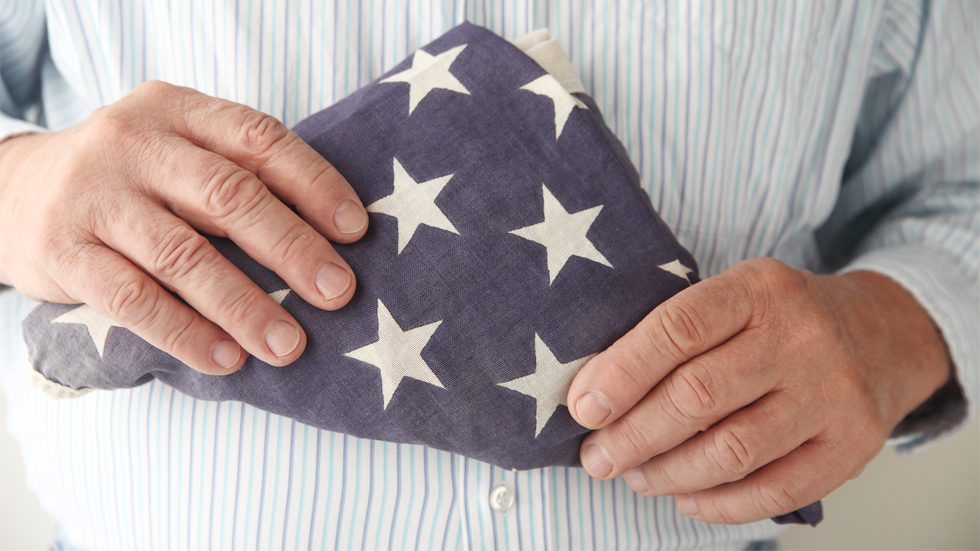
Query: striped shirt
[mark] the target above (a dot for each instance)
(832, 136)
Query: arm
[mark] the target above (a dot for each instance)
(909, 207)
(762, 389)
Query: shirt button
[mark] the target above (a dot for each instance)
(501, 498)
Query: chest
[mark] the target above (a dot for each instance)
(738, 115)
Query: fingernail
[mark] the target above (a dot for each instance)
(596, 461)
(226, 353)
(592, 409)
(634, 479)
(685, 504)
(332, 280)
(349, 217)
(282, 338)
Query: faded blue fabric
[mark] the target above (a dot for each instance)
(489, 288)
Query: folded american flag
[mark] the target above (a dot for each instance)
(509, 242)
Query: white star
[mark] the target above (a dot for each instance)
(427, 74)
(677, 269)
(397, 353)
(563, 234)
(549, 383)
(97, 324)
(279, 296)
(413, 204)
(564, 102)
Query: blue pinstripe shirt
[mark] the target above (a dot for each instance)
(833, 136)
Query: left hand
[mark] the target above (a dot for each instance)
(758, 391)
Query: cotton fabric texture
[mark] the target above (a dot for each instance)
(759, 129)
(492, 273)
(490, 298)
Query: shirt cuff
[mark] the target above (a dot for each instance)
(953, 302)
(15, 127)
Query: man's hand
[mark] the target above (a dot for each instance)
(758, 391)
(106, 213)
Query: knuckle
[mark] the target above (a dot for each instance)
(240, 311)
(181, 335)
(770, 270)
(112, 127)
(779, 498)
(162, 98)
(325, 176)
(57, 243)
(294, 246)
(667, 478)
(766, 274)
(699, 388)
(134, 303)
(632, 438)
(263, 133)
(626, 368)
(720, 513)
(154, 89)
(64, 257)
(113, 140)
(678, 332)
(230, 191)
(689, 400)
(762, 263)
(781, 281)
(731, 453)
(179, 253)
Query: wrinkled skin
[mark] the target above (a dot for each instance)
(108, 213)
(749, 395)
(758, 391)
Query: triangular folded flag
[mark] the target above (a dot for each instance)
(509, 241)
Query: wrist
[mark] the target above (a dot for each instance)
(16, 154)
(897, 340)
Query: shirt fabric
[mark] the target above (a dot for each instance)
(829, 136)
(465, 332)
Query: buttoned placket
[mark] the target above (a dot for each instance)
(500, 506)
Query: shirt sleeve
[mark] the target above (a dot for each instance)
(23, 42)
(909, 204)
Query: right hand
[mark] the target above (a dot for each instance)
(106, 213)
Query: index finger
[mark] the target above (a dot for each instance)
(288, 166)
(688, 324)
